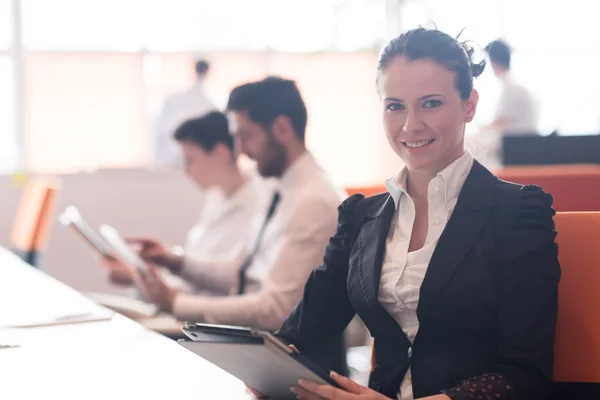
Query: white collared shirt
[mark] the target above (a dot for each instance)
(293, 245)
(403, 272)
(518, 107)
(223, 229)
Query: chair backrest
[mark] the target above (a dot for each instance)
(31, 226)
(577, 349)
(574, 187)
(366, 190)
(577, 346)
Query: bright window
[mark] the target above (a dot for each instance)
(5, 24)
(90, 25)
(85, 111)
(184, 25)
(8, 145)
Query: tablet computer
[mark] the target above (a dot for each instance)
(255, 356)
(125, 251)
(71, 217)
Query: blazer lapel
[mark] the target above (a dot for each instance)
(371, 242)
(467, 221)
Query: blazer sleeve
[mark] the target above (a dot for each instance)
(527, 300)
(325, 309)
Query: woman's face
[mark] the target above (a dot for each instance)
(423, 114)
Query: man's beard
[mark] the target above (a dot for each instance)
(275, 160)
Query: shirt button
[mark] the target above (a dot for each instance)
(409, 352)
(437, 221)
(436, 188)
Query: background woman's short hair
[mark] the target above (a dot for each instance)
(206, 131)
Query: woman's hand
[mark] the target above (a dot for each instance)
(119, 272)
(155, 252)
(157, 290)
(350, 390)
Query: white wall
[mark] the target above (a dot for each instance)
(162, 204)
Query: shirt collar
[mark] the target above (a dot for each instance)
(450, 178)
(305, 162)
(219, 204)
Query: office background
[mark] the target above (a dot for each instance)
(82, 83)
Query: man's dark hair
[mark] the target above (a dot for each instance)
(499, 52)
(206, 131)
(202, 67)
(268, 99)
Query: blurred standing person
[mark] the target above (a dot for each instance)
(178, 108)
(516, 112)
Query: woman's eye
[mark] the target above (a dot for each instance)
(394, 107)
(432, 104)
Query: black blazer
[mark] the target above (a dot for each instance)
(488, 303)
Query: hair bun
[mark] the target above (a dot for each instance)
(475, 67)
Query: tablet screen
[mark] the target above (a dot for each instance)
(72, 218)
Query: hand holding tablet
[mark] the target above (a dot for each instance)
(73, 219)
(112, 236)
(254, 356)
(111, 246)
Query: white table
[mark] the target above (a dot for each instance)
(111, 359)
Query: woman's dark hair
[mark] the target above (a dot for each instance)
(206, 131)
(440, 47)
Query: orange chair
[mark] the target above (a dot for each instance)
(32, 222)
(577, 351)
(366, 190)
(574, 187)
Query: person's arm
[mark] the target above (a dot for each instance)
(325, 309)
(205, 268)
(527, 302)
(219, 275)
(301, 251)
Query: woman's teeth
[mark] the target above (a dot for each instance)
(415, 145)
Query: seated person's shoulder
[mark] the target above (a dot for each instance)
(322, 202)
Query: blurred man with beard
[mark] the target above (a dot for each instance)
(268, 121)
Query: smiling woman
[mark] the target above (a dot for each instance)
(427, 103)
(454, 272)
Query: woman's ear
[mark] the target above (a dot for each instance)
(471, 105)
(223, 152)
